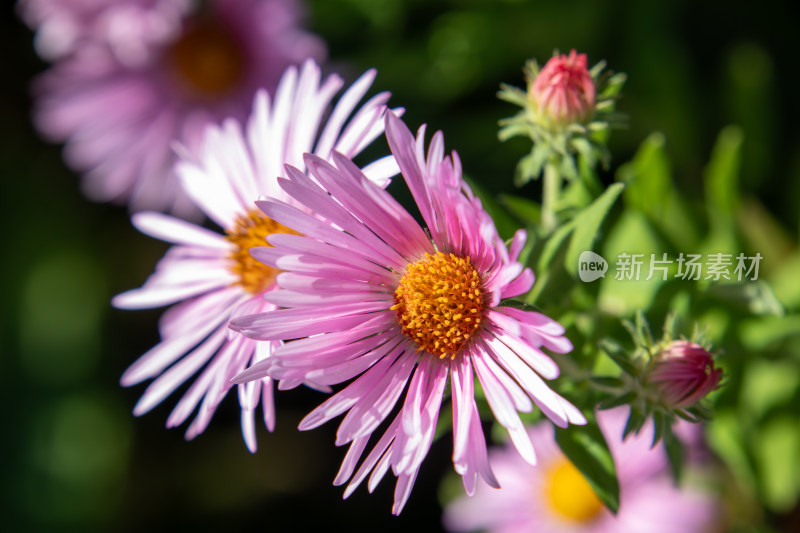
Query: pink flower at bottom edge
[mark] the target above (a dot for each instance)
(554, 497)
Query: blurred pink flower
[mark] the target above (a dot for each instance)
(125, 29)
(683, 373)
(373, 298)
(211, 276)
(563, 92)
(145, 74)
(554, 497)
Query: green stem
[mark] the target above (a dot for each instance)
(552, 186)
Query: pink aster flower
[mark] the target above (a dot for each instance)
(210, 276)
(126, 29)
(563, 92)
(683, 373)
(555, 497)
(147, 74)
(371, 297)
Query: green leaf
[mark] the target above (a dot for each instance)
(754, 296)
(552, 246)
(587, 226)
(528, 211)
(726, 439)
(648, 177)
(761, 231)
(631, 234)
(759, 333)
(650, 190)
(722, 172)
(777, 452)
(767, 384)
(784, 281)
(722, 189)
(586, 447)
(589, 177)
(574, 196)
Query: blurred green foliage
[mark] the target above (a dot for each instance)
(76, 459)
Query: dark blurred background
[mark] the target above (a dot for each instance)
(74, 457)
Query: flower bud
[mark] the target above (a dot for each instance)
(563, 92)
(683, 373)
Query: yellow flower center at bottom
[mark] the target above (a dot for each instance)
(570, 495)
(250, 231)
(439, 303)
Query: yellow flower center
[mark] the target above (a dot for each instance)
(250, 231)
(439, 303)
(208, 59)
(570, 494)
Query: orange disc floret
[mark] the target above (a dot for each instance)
(251, 231)
(439, 303)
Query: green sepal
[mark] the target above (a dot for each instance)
(660, 424)
(675, 454)
(636, 421)
(623, 399)
(620, 358)
(607, 381)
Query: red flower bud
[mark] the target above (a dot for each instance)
(564, 92)
(683, 374)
